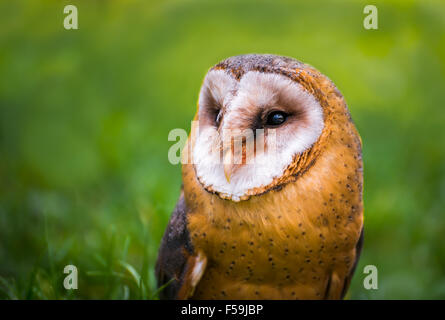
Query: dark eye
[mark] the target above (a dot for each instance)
(276, 118)
(218, 117)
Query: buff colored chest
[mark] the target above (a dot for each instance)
(291, 243)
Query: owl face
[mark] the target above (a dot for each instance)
(250, 130)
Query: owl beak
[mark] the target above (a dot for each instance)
(228, 166)
(228, 171)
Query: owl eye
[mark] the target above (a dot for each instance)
(276, 118)
(218, 117)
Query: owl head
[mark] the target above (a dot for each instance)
(261, 122)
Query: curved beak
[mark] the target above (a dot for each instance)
(228, 164)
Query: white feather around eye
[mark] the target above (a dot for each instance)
(217, 87)
(257, 90)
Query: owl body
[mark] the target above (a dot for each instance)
(292, 235)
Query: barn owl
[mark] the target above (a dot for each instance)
(286, 224)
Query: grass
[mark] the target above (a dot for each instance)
(85, 114)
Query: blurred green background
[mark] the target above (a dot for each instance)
(85, 115)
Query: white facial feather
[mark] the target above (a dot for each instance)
(217, 85)
(258, 90)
